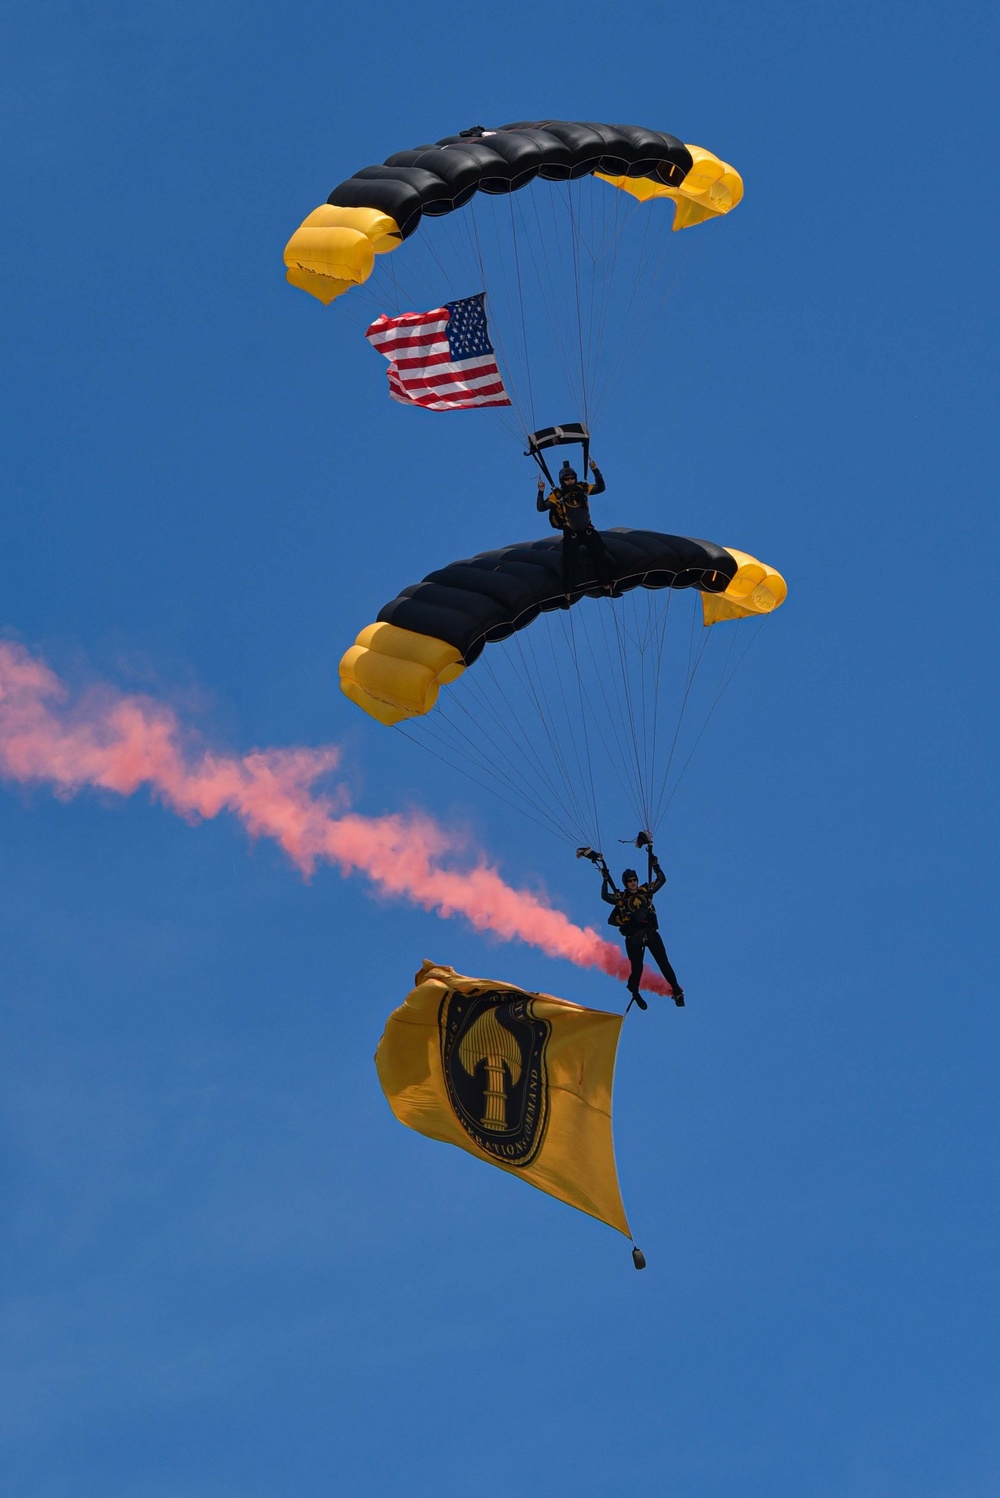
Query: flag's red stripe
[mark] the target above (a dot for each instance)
(423, 361)
(458, 377)
(467, 395)
(408, 320)
(391, 342)
(478, 363)
(460, 399)
(464, 406)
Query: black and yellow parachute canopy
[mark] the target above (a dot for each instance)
(378, 207)
(428, 635)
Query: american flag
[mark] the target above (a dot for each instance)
(442, 359)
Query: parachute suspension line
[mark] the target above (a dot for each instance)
(503, 360)
(639, 296)
(648, 721)
(482, 785)
(631, 714)
(617, 756)
(511, 418)
(692, 671)
(525, 749)
(609, 262)
(627, 779)
(487, 765)
(516, 782)
(575, 241)
(651, 312)
(629, 771)
(584, 716)
(548, 726)
(555, 767)
(587, 244)
(572, 729)
(520, 299)
(619, 212)
(543, 282)
(641, 645)
(514, 350)
(658, 668)
(724, 683)
(517, 779)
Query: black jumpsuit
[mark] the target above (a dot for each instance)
(569, 511)
(635, 918)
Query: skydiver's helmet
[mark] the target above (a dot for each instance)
(567, 475)
(628, 874)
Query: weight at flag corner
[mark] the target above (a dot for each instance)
(520, 1080)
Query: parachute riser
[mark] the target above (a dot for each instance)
(643, 840)
(597, 859)
(570, 432)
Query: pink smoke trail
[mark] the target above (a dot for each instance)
(110, 741)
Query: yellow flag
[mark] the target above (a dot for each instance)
(520, 1080)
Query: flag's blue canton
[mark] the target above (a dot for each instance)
(467, 333)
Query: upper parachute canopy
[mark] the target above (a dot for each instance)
(426, 637)
(380, 206)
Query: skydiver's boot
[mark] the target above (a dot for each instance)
(679, 997)
(637, 997)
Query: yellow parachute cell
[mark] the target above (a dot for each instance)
(756, 589)
(334, 249)
(394, 674)
(712, 187)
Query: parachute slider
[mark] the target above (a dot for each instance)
(570, 431)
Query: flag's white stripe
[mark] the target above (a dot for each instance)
(467, 387)
(412, 319)
(467, 370)
(403, 338)
(457, 396)
(408, 353)
(461, 400)
(493, 400)
(415, 330)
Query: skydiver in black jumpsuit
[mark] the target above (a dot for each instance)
(635, 917)
(569, 511)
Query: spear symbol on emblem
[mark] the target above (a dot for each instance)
(487, 1040)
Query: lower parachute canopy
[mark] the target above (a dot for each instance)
(590, 712)
(433, 631)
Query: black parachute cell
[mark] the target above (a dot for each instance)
(439, 178)
(488, 597)
(389, 193)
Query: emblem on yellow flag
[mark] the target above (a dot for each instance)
(520, 1080)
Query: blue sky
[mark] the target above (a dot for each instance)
(226, 1271)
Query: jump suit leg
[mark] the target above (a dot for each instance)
(636, 947)
(573, 542)
(570, 552)
(598, 555)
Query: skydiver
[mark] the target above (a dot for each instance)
(569, 511)
(635, 916)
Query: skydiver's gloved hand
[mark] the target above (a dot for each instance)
(593, 466)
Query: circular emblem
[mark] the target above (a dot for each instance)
(493, 1057)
